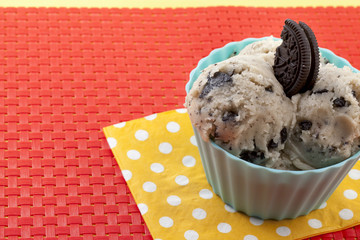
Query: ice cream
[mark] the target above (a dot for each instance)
(241, 106)
(327, 119)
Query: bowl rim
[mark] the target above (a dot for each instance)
(245, 42)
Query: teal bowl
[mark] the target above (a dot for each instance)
(259, 191)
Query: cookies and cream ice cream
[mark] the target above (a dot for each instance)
(241, 106)
(327, 119)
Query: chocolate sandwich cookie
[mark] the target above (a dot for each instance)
(315, 57)
(296, 63)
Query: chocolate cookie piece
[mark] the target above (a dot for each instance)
(341, 102)
(219, 79)
(321, 91)
(305, 125)
(271, 144)
(255, 156)
(296, 62)
(229, 116)
(283, 135)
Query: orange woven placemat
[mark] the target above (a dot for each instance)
(67, 73)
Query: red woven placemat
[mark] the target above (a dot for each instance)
(66, 73)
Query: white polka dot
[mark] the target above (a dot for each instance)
(181, 110)
(250, 237)
(228, 208)
(127, 174)
(199, 213)
(283, 231)
(350, 194)
(193, 141)
(354, 174)
(143, 208)
(173, 200)
(151, 117)
(141, 135)
(157, 239)
(149, 187)
(165, 148)
(314, 223)
(191, 235)
(112, 142)
(120, 125)
(224, 227)
(206, 194)
(173, 127)
(256, 221)
(181, 180)
(188, 161)
(157, 167)
(323, 205)
(133, 154)
(166, 222)
(346, 214)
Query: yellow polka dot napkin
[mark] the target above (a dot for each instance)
(160, 161)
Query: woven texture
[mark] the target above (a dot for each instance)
(67, 73)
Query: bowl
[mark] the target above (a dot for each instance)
(259, 191)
